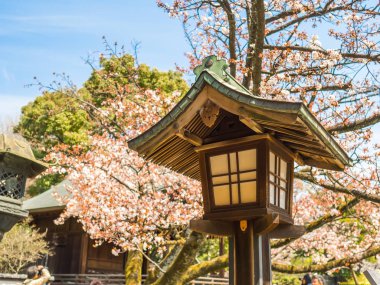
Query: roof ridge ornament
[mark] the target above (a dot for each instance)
(218, 69)
(213, 64)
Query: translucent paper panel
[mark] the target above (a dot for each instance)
(219, 164)
(234, 178)
(235, 194)
(283, 169)
(272, 162)
(272, 193)
(222, 195)
(220, 179)
(278, 185)
(233, 162)
(247, 159)
(248, 175)
(282, 199)
(248, 192)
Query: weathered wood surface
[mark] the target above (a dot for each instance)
(287, 231)
(216, 228)
(266, 224)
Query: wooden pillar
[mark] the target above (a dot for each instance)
(251, 257)
(244, 255)
(83, 254)
(231, 260)
(266, 257)
(249, 246)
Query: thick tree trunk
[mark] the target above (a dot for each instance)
(231, 35)
(133, 268)
(259, 45)
(251, 24)
(205, 268)
(153, 274)
(175, 273)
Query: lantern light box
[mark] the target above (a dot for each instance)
(251, 173)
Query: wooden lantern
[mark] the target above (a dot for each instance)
(246, 178)
(243, 149)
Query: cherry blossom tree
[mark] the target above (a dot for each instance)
(117, 196)
(325, 54)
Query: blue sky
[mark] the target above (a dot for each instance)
(40, 37)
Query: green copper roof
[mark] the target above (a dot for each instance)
(46, 201)
(212, 72)
(17, 153)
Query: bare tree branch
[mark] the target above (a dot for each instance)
(326, 266)
(222, 262)
(375, 58)
(355, 125)
(325, 219)
(339, 189)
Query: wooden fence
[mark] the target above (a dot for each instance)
(118, 279)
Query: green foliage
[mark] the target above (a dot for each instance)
(286, 279)
(119, 75)
(301, 259)
(362, 280)
(21, 246)
(53, 118)
(166, 82)
(62, 116)
(372, 259)
(44, 183)
(210, 249)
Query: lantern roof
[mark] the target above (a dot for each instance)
(18, 154)
(217, 107)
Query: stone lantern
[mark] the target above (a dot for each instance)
(242, 148)
(17, 163)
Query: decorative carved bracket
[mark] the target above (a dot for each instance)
(209, 113)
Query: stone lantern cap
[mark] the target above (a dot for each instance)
(18, 154)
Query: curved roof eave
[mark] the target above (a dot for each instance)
(233, 90)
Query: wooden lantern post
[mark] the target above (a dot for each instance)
(242, 148)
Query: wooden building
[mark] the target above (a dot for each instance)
(74, 251)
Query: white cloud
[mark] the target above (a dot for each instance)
(43, 23)
(10, 107)
(7, 75)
